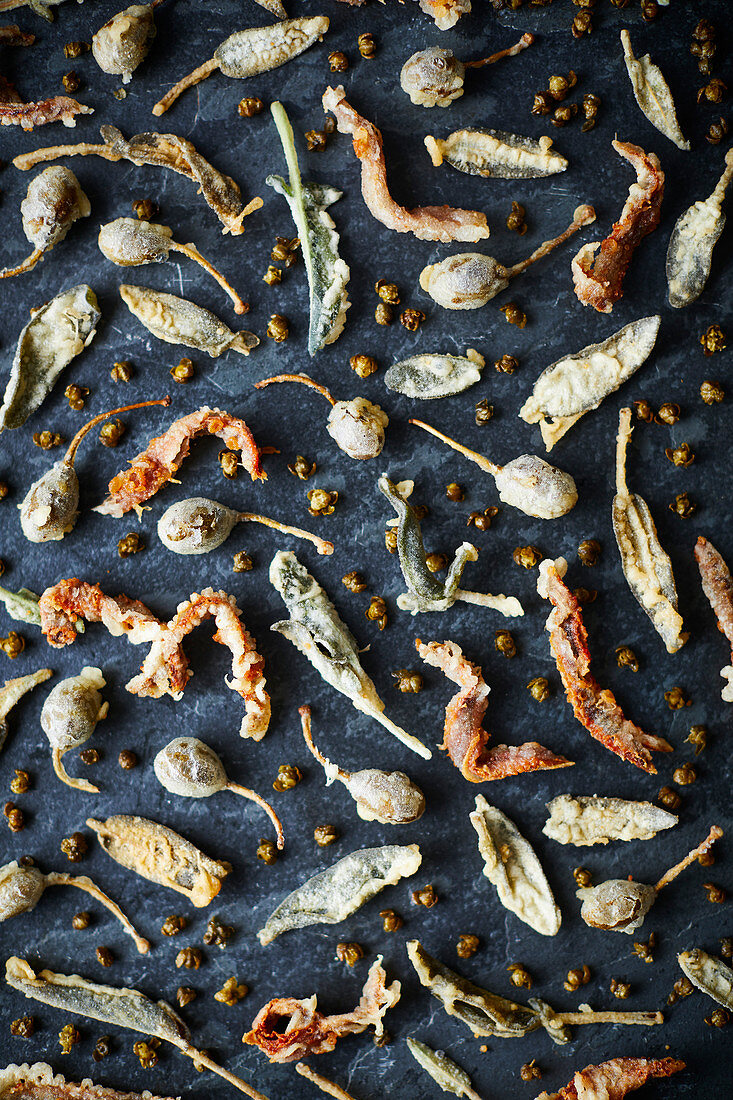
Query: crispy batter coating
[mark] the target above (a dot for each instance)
(57, 108)
(717, 585)
(612, 1080)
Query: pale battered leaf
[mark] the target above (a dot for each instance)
(434, 375)
(336, 893)
(178, 321)
(584, 820)
(695, 235)
(443, 1070)
(577, 384)
(21, 605)
(652, 93)
(708, 974)
(513, 868)
(496, 153)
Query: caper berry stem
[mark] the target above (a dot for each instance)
(70, 780)
(583, 215)
(297, 378)
(715, 833)
(27, 265)
(237, 788)
(330, 768)
(193, 253)
(74, 445)
(321, 545)
(510, 51)
(81, 882)
(473, 456)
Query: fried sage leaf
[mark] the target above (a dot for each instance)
(434, 375)
(316, 629)
(443, 1070)
(511, 865)
(21, 605)
(695, 235)
(652, 93)
(319, 241)
(646, 565)
(178, 321)
(160, 855)
(56, 333)
(120, 1007)
(336, 893)
(496, 153)
(39, 1082)
(13, 691)
(708, 974)
(584, 820)
(576, 384)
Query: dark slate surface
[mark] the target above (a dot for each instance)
(301, 963)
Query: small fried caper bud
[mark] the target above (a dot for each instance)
(577, 977)
(626, 658)
(13, 645)
(74, 847)
(683, 455)
(69, 1036)
(145, 209)
(669, 798)
(711, 392)
(726, 947)
(411, 319)
(669, 413)
(288, 776)
(715, 894)
(620, 989)
(278, 328)
(716, 132)
(390, 539)
(564, 114)
(121, 372)
(272, 276)
(408, 681)
(111, 433)
(720, 1017)
(182, 372)
(322, 502)
(377, 612)
(504, 643)
(527, 556)
(684, 775)
(338, 62)
(16, 819)
(190, 958)
(520, 976)
(542, 103)
(484, 411)
(4, 489)
(713, 340)
(21, 783)
(46, 440)
(383, 314)
(354, 582)
(232, 992)
(24, 1027)
(683, 987)
(589, 552)
(71, 82)
(645, 951)
(514, 315)
(81, 921)
(698, 736)
(242, 562)
(643, 411)
(72, 50)
(539, 689)
(675, 698)
(349, 953)
(436, 562)
(426, 897)
(391, 921)
(530, 1071)
(147, 1052)
(250, 106)
(267, 851)
(363, 365)
(507, 364)
(482, 520)
(302, 468)
(582, 24)
(516, 219)
(683, 506)
(76, 396)
(184, 995)
(467, 945)
(388, 292)
(130, 544)
(454, 491)
(104, 956)
(324, 835)
(367, 46)
(315, 140)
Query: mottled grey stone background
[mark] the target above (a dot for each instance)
(294, 421)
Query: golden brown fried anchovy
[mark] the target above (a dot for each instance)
(58, 108)
(612, 1080)
(717, 585)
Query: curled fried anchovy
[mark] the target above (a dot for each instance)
(584, 820)
(599, 281)
(652, 93)
(576, 384)
(13, 691)
(316, 629)
(158, 854)
(159, 462)
(53, 202)
(496, 153)
(252, 51)
(198, 525)
(646, 565)
(63, 606)
(434, 77)
(425, 592)
(695, 235)
(614, 1079)
(389, 797)
(428, 223)
(464, 737)
(39, 1082)
(123, 42)
(220, 192)
(286, 1029)
(443, 1070)
(708, 974)
(595, 708)
(69, 717)
(21, 889)
(120, 1007)
(717, 585)
(57, 108)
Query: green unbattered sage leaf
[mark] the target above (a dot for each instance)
(708, 974)
(55, 334)
(336, 893)
(328, 275)
(443, 1070)
(652, 93)
(434, 375)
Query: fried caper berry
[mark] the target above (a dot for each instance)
(173, 925)
(542, 103)
(130, 544)
(527, 556)
(711, 392)
(713, 340)
(683, 987)
(68, 1037)
(147, 1052)
(363, 365)
(726, 947)
(626, 658)
(683, 455)
(377, 612)
(720, 1017)
(75, 395)
(384, 314)
(715, 894)
(530, 1071)
(349, 953)
(683, 506)
(16, 820)
(515, 221)
(127, 759)
(278, 328)
(111, 433)
(338, 62)
(302, 468)
(74, 847)
(482, 520)
(90, 756)
(539, 689)
(564, 114)
(354, 582)
(577, 977)
(669, 413)
(46, 440)
(325, 835)
(645, 951)
(322, 502)
(315, 140)
(675, 698)
(520, 976)
(121, 372)
(189, 957)
(104, 956)
(408, 681)
(242, 562)
(716, 132)
(436, 562)
(698, 737)
(4, 489)
(467, 946)
(23, 1027)
(101, 1048)
(250, 106)
(81, 921)
(504, 643)
(367, 46)
(184, 995)
(425, 897)
(71, 82)
(182, 372)
(484, 411)
(582, 24)
(390, 539)
(506, 365)
(229, 463)
(514, 315)
(21, 783)
(391, 921)
(669, 798)
(232, 992)
(72, 50)
(288, 776)
(411, 319)
(388, 292)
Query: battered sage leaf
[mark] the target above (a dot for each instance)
(443, 1070)
(495, 153)
(652, 93)
(511, 865)
(319, 241)
(178, 321)
(708, 974)
(434, 375)
(695, 235)
(584, 820)
(316, 629)
(56, 333)
(336, 893)
(13, 691)
(576, 384)
(21, 605)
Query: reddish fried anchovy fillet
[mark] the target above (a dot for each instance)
(12, 35)
(599, 282)
(58, 108)
(72, 599)
(614, 1079)
(594, 707)
(287, 1029)
(464, 736)
(717, 585)
(39, 1082)
(160, 460)
(428, 223)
